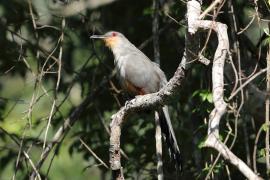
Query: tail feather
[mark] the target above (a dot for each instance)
(169, 136)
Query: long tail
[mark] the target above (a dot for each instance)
(169, 136)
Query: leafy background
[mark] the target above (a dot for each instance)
(86, 64)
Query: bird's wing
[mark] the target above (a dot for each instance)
(141, 72)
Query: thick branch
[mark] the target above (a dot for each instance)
(152, 101)
(212, 140)
(149, 101)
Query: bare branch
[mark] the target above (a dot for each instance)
(93, 153)
(267, 113)
(247, 82)
(148, 101)
(69, 122)
(218, 85)
(158, 136)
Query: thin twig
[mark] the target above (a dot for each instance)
(19, 153)
(267, 113)
(246, 141)
(32, 164)
(70, 121)
(246, 83)
(210, 8)
(255, 149)
(215, 116)
(247, 26)
(238, 55)
(57, 83)
(93, 153)
(23, 152)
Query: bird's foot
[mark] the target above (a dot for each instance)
(126, 104)
(138, 96)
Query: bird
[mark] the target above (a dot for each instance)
(138, 75)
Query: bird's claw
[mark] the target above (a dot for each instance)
(138, 96)
(126, 104)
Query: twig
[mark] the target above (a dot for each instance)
(247, 26)
(235, 74)
(23, 152)
(246, 83)
(267, 113)
(228, 172)
(255, 149)
(69, 122)
(93, 153)
(37, 83)
(57, 83)
(32, 164)
(210, 8)
(236, 49)
(19, 153)
(238, 53)
(246, 141)
(218, 84)
(155, 27)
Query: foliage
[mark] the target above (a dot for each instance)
(29, 64)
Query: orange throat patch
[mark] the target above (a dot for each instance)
(111, 42)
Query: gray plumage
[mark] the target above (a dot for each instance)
(139, 75)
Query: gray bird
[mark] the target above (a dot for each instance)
(139, 76)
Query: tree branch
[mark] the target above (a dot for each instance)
(158, 135)
(149, 101)
(68, 123)
(194, 9)
(267, 113)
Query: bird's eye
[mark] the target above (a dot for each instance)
(114, 34)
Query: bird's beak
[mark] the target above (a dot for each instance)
(109, 41)
(98, 37)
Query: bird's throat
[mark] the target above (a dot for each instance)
(111, 42)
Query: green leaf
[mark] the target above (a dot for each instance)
(221, 137)
(210, 98)
(195, 93)
(261, 152)
(148, 11)
(201, 144)
(266, 31)
(265, 127)
(204, 94)
(266, 41)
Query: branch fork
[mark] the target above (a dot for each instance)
(152, 101)
(148, 101)
(213, 141)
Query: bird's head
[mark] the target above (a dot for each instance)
(111, 38)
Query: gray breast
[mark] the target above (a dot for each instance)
(139, 71)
